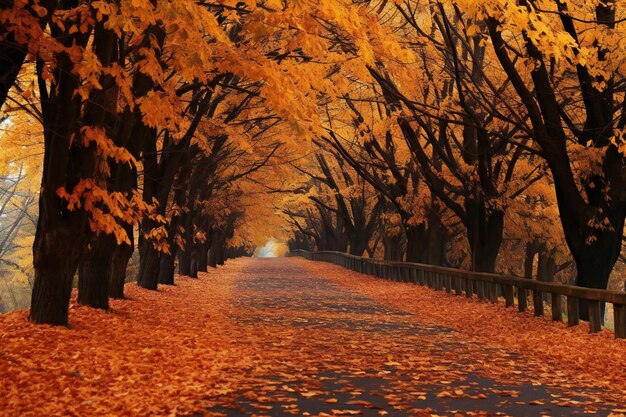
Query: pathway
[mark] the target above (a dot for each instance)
(324, 349)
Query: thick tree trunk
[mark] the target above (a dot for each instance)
(595, 263)
(121, 257)
(148, 277)
(416, 244)
(193, 269)
(94, 272)
(56, 253)
(358, 244)
(51, 294)
(166, 269)
(55, 267)
(529, 260)
(392, 247)
(61, 235)
(436, 238)
(203, 257)
(184, 261)
(484, 231)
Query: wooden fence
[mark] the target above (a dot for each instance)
(485, 285)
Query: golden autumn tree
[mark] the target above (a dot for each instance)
(568, 84)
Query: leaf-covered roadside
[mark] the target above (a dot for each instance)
(155, 353)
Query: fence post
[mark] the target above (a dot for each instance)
(509, 296)
(469, 287)
(557, 308)
(480, 288)
(572, 311)
(619, 316)
(594, 316)
(492, 287)
(438, 281)
(458, 285)
(522, 299)
(538, 303)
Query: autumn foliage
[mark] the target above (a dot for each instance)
(147, 140)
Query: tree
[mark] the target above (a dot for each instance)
(571, 97)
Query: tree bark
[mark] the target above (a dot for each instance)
(148, 277)
(193, 272)
(436, 237)
(119, 261)
(56, 258)
(392, 247)
(529, 260)
(484, 232)
(166, 269)
(203, 255)
(95, 273)
(184, 261)
(416, 244)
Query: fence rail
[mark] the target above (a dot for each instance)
(485, 285)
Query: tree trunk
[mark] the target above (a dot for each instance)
(436, 237)
(54, 273)
(62, 234)
(148, 277)
(51, 294)
(166, 269)
(94, 272)
(220, 255)
(193, 267)
(529, 260)
(392, 247)
(184, 261)
(358, 244)
(203, 255)
(416, 244)
(212, 258)
(484, 232)
(121, 257)
(594, 265)
(56, 253)
(546, 267)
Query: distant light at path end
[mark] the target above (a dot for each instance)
(267, 250)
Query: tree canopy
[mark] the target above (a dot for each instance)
(481, 135)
